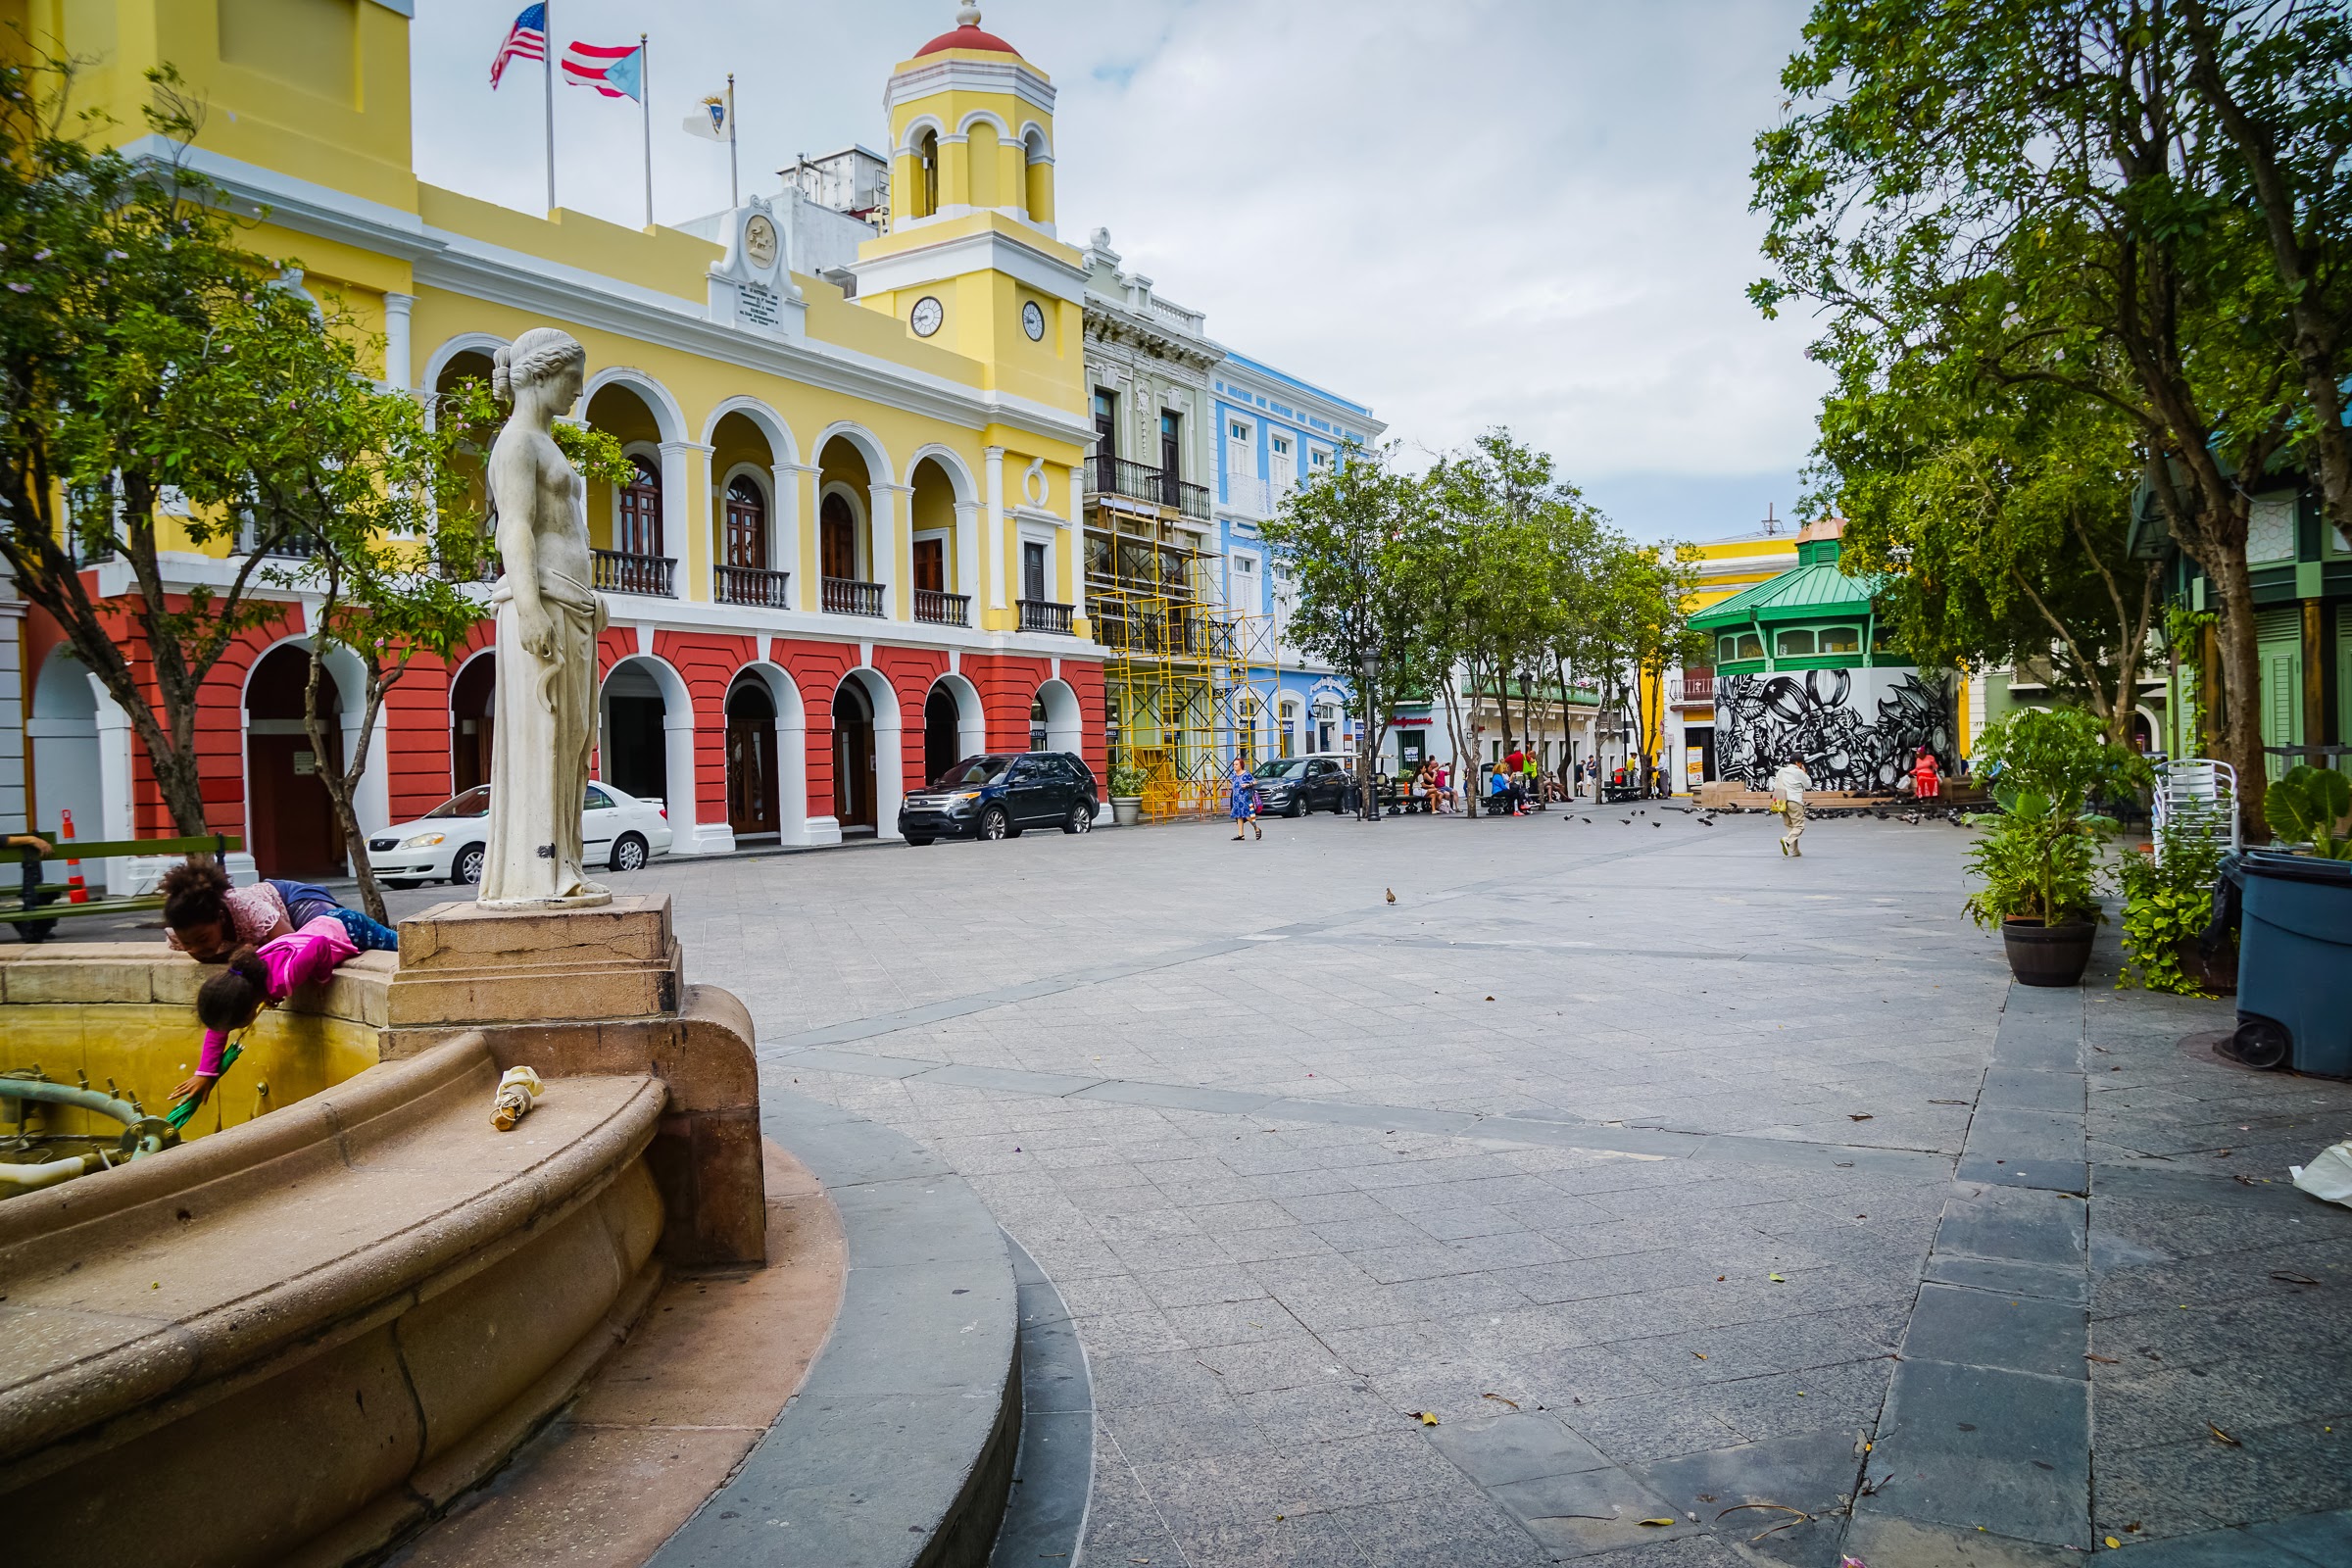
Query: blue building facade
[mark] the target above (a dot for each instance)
(1273, 433)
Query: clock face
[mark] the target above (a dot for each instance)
(926, 316)
(1033, 322)
(760, 242)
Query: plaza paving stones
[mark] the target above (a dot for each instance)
(1526, 1150)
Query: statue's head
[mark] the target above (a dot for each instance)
(546, 359)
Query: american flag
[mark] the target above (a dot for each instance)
(525, 40)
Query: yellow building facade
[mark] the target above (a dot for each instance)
(823, 583)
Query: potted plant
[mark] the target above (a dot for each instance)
(1127, 794)
(2036, 865)
(2168, 905)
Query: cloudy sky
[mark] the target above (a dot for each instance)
(1463, 213)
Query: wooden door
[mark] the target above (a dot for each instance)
(852, 759)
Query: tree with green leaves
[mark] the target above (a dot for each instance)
(1633, 622)
(1999, 518)
(1343, 543)
(125, 305)
(2140, 204)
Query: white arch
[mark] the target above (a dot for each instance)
(371, 802)
(688, 834)
(916, 128)
(959, 475)
(793, 825)
(1036, 144)
(890, 748)
(667, 415)
(68, 760)
(964, 127)
(971, 720)
(870, 446)
(771, 424)
(436, 362)
(1065, 721)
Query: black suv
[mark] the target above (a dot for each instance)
(1292, 786)
(996, 797)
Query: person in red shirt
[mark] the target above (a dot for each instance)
(1925, 785)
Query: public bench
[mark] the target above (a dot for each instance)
(36, 907)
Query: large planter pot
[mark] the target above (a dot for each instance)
(2048, 954)
(1126, 809)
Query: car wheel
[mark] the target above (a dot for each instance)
(466, 868)
(918, 840)
(628, 853)
(1291, 809)
(403, 883)
(1081, 819)
(996, 823)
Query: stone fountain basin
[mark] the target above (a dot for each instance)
(302, 1335)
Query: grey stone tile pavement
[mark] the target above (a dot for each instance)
(1665, 1174)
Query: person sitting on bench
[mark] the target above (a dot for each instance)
(207, 919)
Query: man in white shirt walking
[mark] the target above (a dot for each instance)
(1790, 784)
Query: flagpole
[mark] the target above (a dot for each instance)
(734, 181)
(547, 58)
(644, 88)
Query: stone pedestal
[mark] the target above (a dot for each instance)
(584, 992)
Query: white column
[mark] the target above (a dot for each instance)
(1077, 546)
(686, 516)
(688, 833)
(784, 545)
(968, 550)
(398, 367)
(992, 544)
(791, 779)
(892, 549)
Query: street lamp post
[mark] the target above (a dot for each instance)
(1368, 808)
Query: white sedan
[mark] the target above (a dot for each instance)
(446, 843)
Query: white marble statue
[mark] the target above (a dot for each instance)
(548, 619)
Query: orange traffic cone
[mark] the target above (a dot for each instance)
(75, 893)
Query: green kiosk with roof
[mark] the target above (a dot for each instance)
(1803, 668)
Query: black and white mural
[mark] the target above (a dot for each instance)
(1854, 729)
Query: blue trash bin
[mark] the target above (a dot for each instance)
(2295, 964)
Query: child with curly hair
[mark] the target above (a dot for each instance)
(253, 978)
(207, 918)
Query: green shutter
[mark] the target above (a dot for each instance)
(2279, 646)
(2343, 681)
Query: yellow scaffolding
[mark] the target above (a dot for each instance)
(1189, 682)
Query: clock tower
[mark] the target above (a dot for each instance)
(970, 260)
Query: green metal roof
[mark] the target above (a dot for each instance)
(1813, 591)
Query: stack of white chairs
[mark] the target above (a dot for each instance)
(2196, 797)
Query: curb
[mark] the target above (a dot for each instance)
(899, 1449)
(1053, 1476)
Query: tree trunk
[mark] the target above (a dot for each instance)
(1453, 731)
(2241, 726)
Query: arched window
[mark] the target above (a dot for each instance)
(837, 535)
(1037, 188)
(747, 523)
(926, 174)
(638, 529)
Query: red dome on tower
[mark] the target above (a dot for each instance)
(967, 35)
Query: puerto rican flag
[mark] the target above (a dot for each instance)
(525, 40)
(618, 73)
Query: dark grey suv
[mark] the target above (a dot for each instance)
(995, 796)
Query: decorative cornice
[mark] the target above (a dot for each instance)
(1017, 77)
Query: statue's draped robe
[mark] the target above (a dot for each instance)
(539, 758)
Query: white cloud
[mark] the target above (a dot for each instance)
(1461, 212)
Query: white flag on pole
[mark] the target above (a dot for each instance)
(710, 120)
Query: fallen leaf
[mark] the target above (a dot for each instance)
(1776, 1279)
(2114, 1544)
(1948, 1101)
(1500, 1399)
(1429, 1418)
(2292, 1279)
(2222, 1436)
(1701, 1354)
(1490, 999)
(2103, 1360)
(1657, 1521)
(1865, 1116)
(2131, 1529)
(1719, 1279)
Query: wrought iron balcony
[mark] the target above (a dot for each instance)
(620, 574)
(1044, 615)
(753, 585)
(1695, 688)
(847, 596)
(943, 609)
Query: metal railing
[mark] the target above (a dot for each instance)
(1187, 498)
(753, 585)
(1140, 482)
(620, 574)
(847, 596)
(943, 609)
(1694, 689)
(1044, 615)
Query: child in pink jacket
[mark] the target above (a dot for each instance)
(261, 977)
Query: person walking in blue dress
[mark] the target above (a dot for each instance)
(1245, 800)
